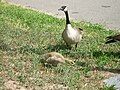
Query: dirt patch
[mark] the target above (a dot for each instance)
(100, 76)
(51, 86)
(13, 85)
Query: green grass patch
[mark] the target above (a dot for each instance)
(26, 34)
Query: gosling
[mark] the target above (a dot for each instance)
(54, 58)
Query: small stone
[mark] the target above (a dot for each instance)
(113, 81)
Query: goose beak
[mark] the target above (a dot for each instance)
(60, 9)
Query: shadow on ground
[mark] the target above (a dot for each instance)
(97, 68)
(57, 47)
(107, 70)
(108, 54)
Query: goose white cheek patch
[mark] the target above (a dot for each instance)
(65, 9)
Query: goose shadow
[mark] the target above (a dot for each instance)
(58, 47)
(41, 50)
(108, 54)
(97, 68)
(107, 70)
(29, 49)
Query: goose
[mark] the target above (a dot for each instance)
(112, 39)
(55, 58)
(70, 35)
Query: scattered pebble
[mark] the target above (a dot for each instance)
(113, 81)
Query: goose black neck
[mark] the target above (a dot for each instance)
(67, 17)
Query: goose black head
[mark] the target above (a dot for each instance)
(63, 8)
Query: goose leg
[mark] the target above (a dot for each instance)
(68, 46)
(76, 45)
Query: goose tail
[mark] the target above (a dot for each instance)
(109, 37)
(110, 41)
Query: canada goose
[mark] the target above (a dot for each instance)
(112, 39)
(55, 58)
(70, 35)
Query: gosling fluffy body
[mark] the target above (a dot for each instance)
(70, 35)
(55, 58)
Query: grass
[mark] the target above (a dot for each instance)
(26, 34)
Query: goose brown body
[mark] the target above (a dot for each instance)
(112, 39)
(70, 35)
